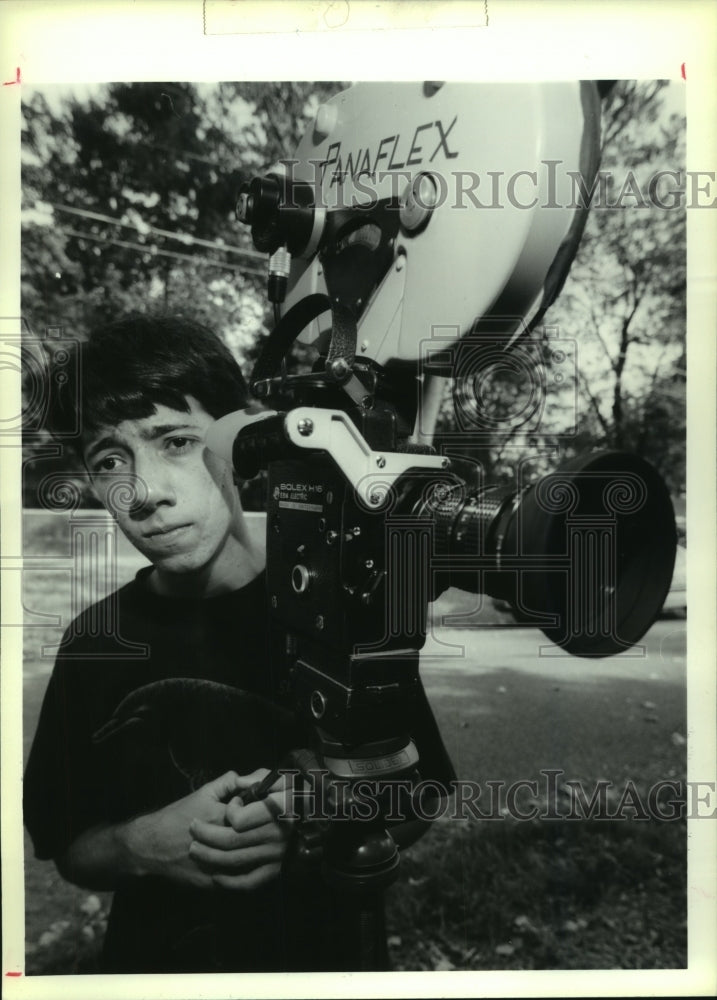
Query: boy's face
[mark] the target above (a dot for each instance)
(185, 508)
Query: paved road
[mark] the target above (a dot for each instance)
(659, 657)
(506, 712)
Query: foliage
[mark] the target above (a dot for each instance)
(165, 162)
(627, 291)
(128, 205)
(623, 308)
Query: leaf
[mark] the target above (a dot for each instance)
(505, 950)
(91, 906)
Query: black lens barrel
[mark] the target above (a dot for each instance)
(585, 553)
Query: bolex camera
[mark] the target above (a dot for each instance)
(397, 248)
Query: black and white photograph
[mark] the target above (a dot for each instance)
(355, 441)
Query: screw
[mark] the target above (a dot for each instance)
(426, 194)
(369, 564)
(339, 368)
(331, 537)
(244, 207)
(305, 427)
(318, 704)
(356, 531)
(445, 463)
(364, 345)
(374, 499)
(381, 462)
(319, 622)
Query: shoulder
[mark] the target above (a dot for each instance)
(111, 624)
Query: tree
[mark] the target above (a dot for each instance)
(625, 296)
(129, 200)
(623, 307)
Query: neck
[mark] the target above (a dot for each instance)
(239, 562)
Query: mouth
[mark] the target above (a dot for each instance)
(167, 533)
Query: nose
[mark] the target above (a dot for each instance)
(153, 485)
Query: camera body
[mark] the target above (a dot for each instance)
(392, 281)
(330, 571)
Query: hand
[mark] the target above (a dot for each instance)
(160, 842)
(249, 849)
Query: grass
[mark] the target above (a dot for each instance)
(470, 895)
(540, 895)
(496, 895)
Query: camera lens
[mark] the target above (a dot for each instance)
(585, 553)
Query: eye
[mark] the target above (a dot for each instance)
(179, 445)
(110, 463)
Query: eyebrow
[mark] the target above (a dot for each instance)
(151, 434)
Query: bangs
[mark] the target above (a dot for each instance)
(129, 367)
(108, 407)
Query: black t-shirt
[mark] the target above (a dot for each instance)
(150, 698)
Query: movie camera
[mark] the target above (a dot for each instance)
(389, 242)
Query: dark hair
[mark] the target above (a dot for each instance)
(126, 367)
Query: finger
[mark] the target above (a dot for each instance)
(233, 862)
(280, 805)
(225, 838)
(247, 780)
(224, 786)
(256, 814)
(252, 880)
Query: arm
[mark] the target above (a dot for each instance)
(162, 844)
(100, 858)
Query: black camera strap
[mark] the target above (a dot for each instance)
(282, 337)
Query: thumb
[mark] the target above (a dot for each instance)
(244, 781)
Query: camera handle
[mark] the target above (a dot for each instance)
(358, 855)
(337, 820)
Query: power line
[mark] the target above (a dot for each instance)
(180, 237)
(155, 251)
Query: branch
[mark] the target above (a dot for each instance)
(601, 419)
(600, 337)
(649, 395)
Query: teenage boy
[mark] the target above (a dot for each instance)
(162, 707)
